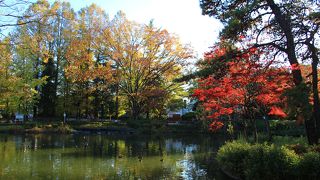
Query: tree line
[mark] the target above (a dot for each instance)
(86, 64)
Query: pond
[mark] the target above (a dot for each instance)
(83, 156)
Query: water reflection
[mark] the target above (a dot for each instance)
(107, 157)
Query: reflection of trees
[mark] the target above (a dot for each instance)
(7, 155)
(97, 157)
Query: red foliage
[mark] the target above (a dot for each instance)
(246, 82)
(275, 111)
(215, 53)
(215, 125)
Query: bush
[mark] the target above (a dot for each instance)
(231, 156)
(263, 161)
(314, 148)
(309, 166)
(268, 162)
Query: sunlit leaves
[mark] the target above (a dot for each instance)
(246, 85)
(145, 59)
(17, 87)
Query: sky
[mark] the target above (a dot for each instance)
(181, 17)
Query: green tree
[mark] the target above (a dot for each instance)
(17, 84)
(62, 29)
(34, 45)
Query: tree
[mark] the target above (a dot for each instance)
(247, 88)
(43, 42)
(61, 26)
(84, 64)
(86, 68)
(280, 28)
(17, 84)
(8, 81)
(33, 43)
(145, 61)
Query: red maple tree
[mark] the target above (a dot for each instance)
(246, 87)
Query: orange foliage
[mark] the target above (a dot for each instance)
(82, 66)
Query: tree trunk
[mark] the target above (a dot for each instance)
(284, 22)
(267, 123)
(255, 130)
(245, 126)
(315, 92)
(311, 131)
(148, 114)
(135, 109)
(117, 90)
(56, 81)
(117, 102)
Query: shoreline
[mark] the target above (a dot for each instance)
(68, 129)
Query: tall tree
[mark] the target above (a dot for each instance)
(17, 93)
(8, 81)
(145, 58)
(35, 37)
(278, 27)
(62, 30)
(85, 64)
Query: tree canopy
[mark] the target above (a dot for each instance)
(88, 65)
(285, 30)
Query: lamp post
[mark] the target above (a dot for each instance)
(64, 117)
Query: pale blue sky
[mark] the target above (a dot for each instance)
(182, 17)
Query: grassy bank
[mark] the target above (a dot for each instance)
(36, 127)
(137, 127)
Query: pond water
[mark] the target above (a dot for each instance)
(81, 156)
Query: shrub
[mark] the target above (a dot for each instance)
(269, 162)
(263, 161)
(314, 148)
(298, 148)
(309, 166)
(231, 156)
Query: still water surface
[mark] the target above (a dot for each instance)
(108, 157)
